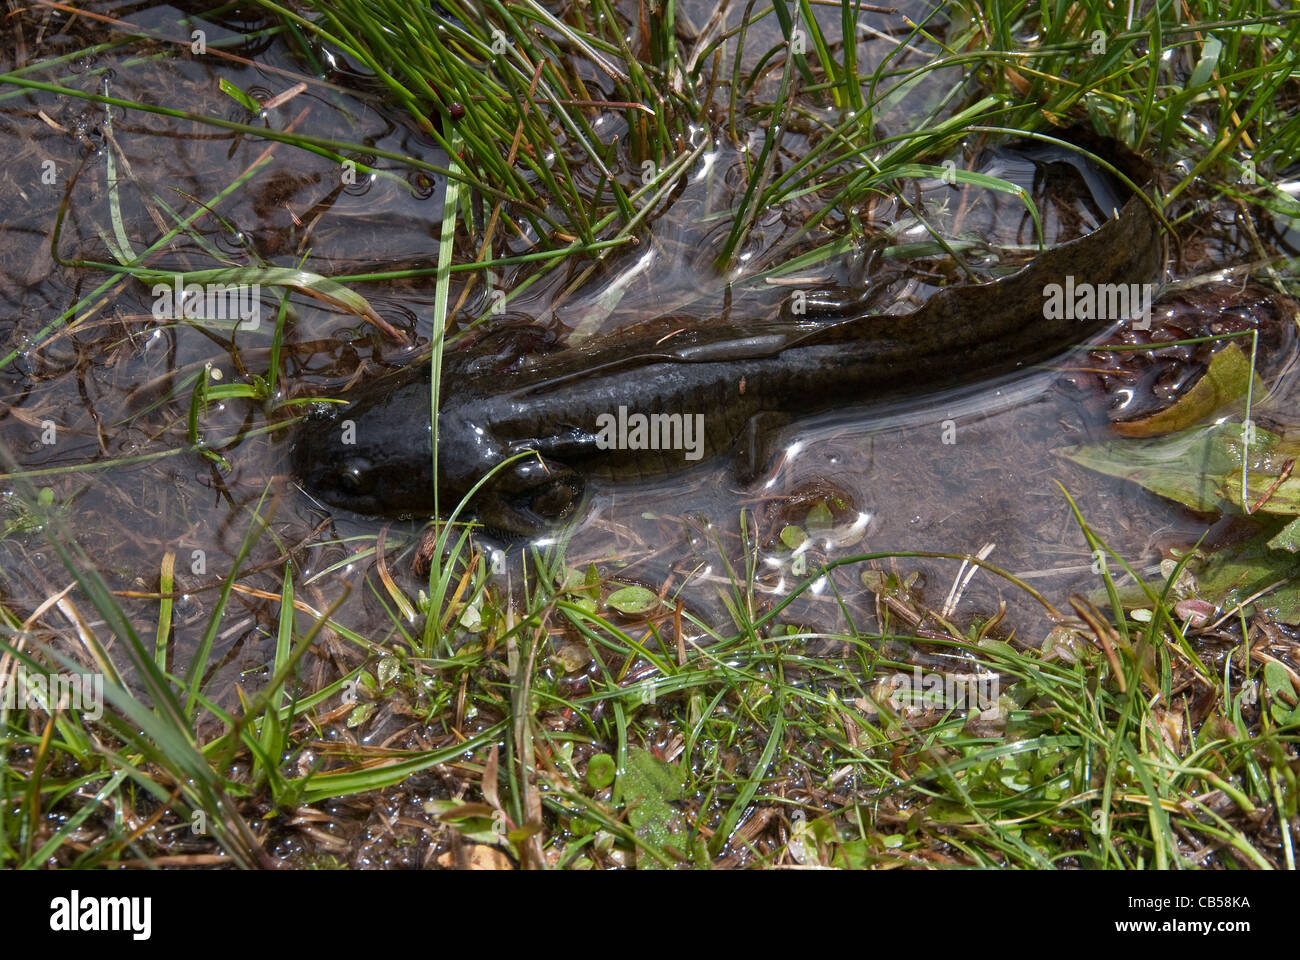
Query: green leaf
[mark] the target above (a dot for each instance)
(360, 714)
(820, 517)
(1232, 575)
(793, 537)
(1282, 693)
(1226, 380)
(1284, 498)
(239, 96)
(1206, 66)
(1194, 467)
(647, 788)
(304, 281)
(387, 670)
(1288, 538)
(1276, 680)
(600, 771)
(632, 600)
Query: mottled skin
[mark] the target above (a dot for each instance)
(744, 386)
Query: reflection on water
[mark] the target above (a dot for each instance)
(967, 473)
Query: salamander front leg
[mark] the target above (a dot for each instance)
(530, 497)
(754, 445)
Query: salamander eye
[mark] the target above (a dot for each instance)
(356, 475)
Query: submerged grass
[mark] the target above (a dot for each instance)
(566, 721)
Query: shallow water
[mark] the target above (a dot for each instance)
(959, 473)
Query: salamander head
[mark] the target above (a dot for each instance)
(373, 456)
(357, 458)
